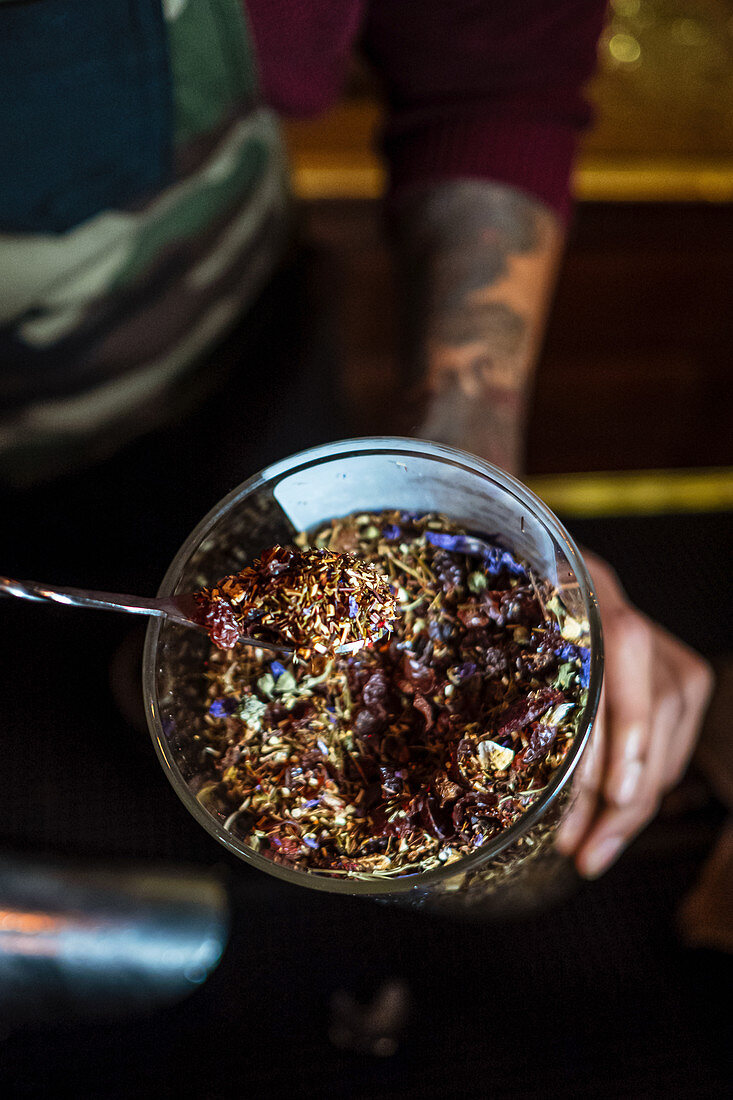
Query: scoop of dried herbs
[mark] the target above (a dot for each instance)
(406, 755)
(312, 599)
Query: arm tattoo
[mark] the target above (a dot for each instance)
(478, 261)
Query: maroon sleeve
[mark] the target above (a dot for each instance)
(484, 89)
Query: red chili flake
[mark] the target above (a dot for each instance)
(368, 722)
(421, 703)
(219, 620)
(538, 744)
(418, 675)
(436, 821)
(375, 688)
(527, 710)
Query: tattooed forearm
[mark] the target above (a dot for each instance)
(478, 264)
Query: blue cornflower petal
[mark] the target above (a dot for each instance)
(466, 670)
(459, 543)
(222, 708)
(494, 558)
(581, 653)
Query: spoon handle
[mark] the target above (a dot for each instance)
(181, 609)
(82, 597)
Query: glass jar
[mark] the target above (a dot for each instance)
(514, 870)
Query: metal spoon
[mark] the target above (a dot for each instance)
(180, 609)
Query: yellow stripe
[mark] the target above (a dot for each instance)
(636, 492)
(333, 158)
(353, 175)
(315, 177)
(653, 179)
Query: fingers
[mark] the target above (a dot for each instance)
(680, 687)
(655, 693)
(611, 794)
(629, 682)
(695, 680)
(587, 784)
(626, 807)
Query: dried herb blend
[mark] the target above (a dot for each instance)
(406, 755)
(312, 599)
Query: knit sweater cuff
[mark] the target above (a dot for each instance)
(535, 157)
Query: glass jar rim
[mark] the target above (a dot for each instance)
(364, 447)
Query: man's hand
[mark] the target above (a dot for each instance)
(654, 697)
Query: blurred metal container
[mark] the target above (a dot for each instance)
(93, 942)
